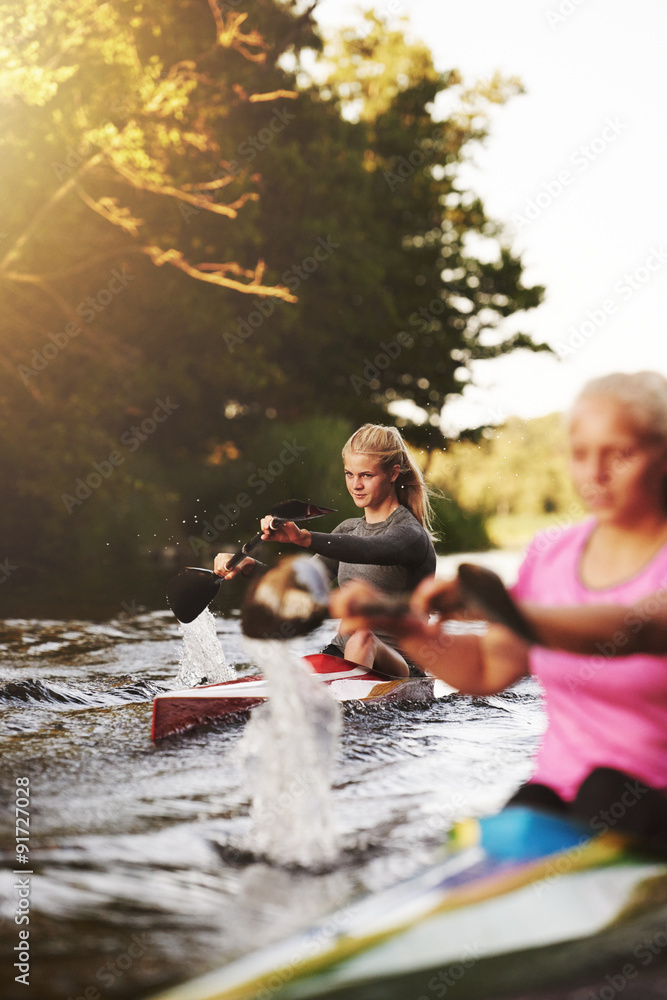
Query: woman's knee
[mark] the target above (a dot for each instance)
(360, 647)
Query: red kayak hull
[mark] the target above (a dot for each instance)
(177, 711)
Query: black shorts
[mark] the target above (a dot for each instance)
(602, 803)
(332, 650)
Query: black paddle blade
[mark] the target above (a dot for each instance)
(483, 588)
(191, 591)
(289, 600)
(299, 510)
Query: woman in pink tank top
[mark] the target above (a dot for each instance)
(603, 758)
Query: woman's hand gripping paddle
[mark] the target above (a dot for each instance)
(192, 589)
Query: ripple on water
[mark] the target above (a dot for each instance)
(130, 837)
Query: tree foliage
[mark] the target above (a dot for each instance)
(96, 121)
(317, 254)
(451, 276)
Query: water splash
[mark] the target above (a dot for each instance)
(203, 658)
(289, 747)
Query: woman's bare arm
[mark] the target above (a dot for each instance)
(606, 629)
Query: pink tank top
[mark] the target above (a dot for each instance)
(602, 712)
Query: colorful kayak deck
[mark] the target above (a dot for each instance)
(178, 711)
(517, 881)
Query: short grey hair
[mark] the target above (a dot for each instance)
(644, 393)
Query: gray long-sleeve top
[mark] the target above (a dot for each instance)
(394, 555)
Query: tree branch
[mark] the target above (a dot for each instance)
(210, 185)
(176, 259)
(229, 35)
(68, 272)
(36, 220)
(274, 95)
(230, 211)
(102, 343)
(109, 210)
(293, 33)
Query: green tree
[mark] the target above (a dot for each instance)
(111, 121)
(317, 254)
(113, 117)
(418, 279)
(451, 273)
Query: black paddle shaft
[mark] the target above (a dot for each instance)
(192, 589)
(250, 546)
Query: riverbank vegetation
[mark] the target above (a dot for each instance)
(225, 242)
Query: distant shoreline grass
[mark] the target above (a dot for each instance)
(514, 531)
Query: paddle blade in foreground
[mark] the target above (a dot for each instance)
(483, 588)
(289, 600)
(191, 591)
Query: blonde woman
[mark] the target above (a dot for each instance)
(390, 546)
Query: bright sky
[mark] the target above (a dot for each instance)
(576, 168)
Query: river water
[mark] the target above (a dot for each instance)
(143, 869)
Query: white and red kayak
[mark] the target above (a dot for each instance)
(176, 711)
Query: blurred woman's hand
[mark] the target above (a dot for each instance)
(350, 600)
(360, 605)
